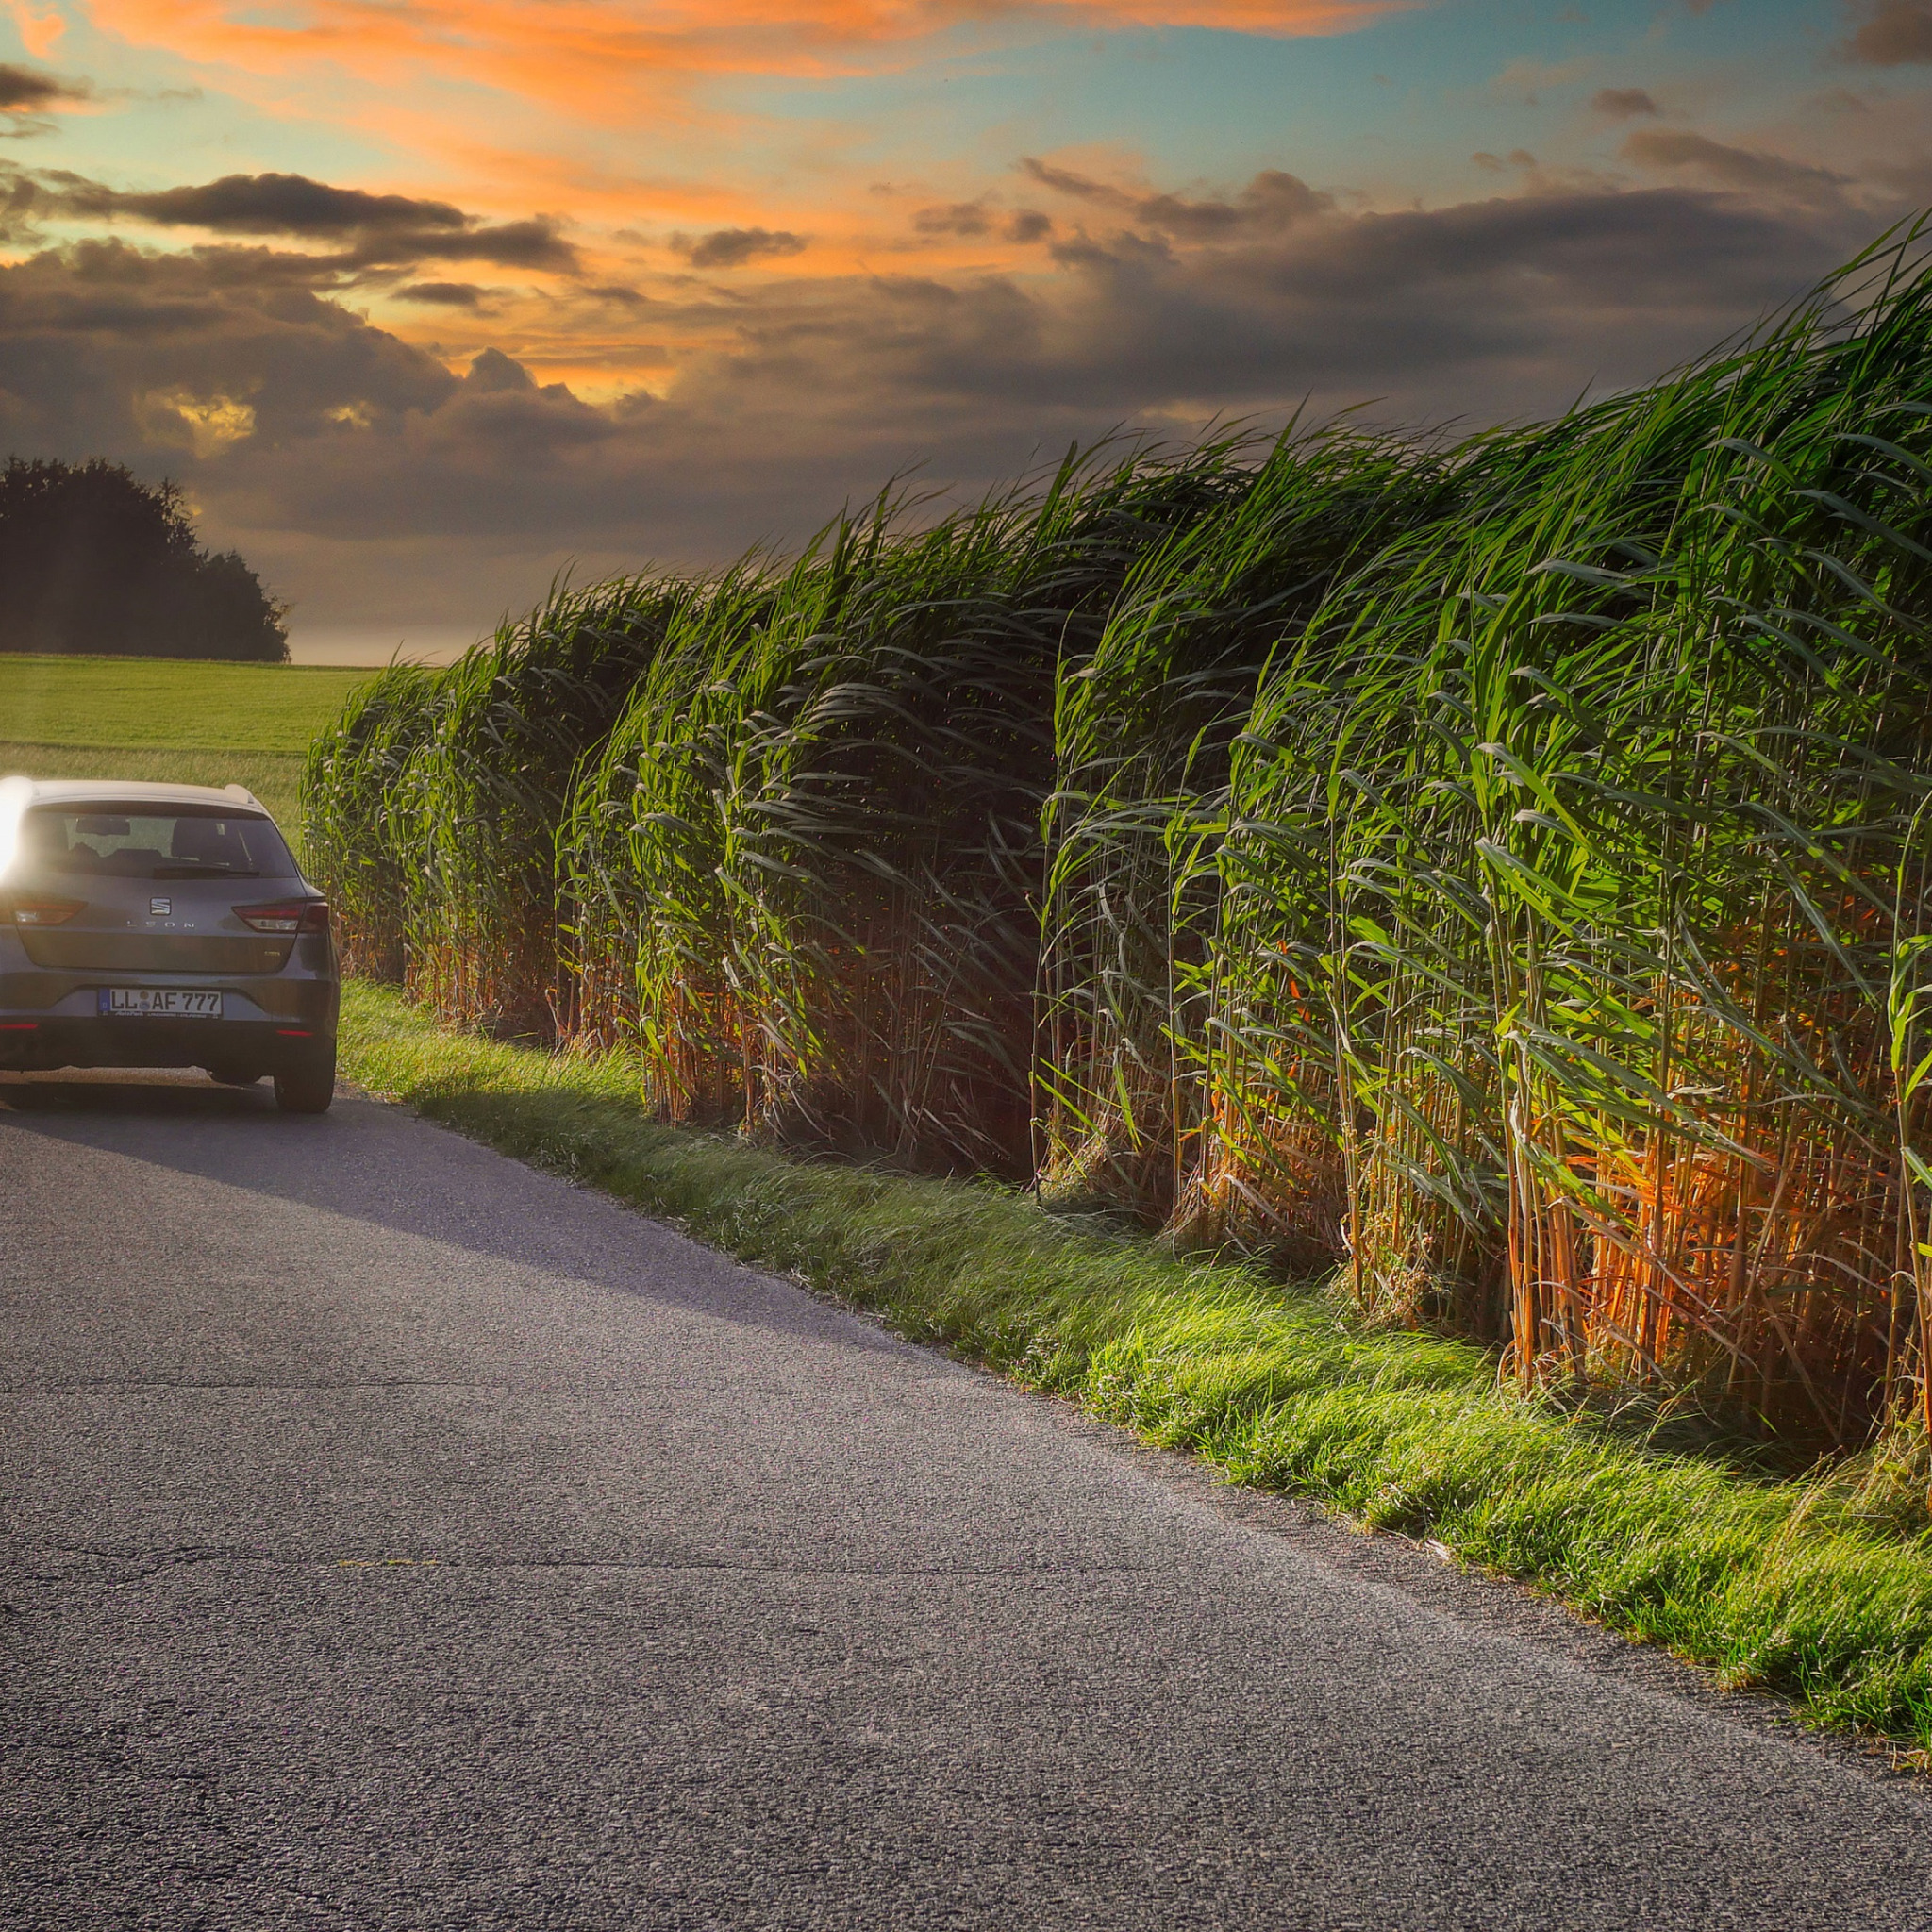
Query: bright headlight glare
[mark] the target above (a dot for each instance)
(15, 796)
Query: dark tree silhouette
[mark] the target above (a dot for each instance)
(93, 560)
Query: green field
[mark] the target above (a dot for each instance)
(168, 720)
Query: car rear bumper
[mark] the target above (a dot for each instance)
(47, 1020)
(28, 1044)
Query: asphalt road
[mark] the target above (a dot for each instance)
(396, 1538)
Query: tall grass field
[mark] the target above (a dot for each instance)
(168, 721)
(1496, 873)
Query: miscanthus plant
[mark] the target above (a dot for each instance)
(356, 848)
(1572, 853)
(1145, 729)
(814, 838)
(1495, 869)
(434, 802)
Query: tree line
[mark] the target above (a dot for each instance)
(94, 560)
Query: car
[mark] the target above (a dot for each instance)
(163, 925)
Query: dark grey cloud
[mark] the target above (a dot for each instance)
(492, 373)
(262, 205)
(535, 243)
(225, 265)
(373, 484)
(27, 91)
(1892, 33)
(28, 95)
(734, 248)
(1623, 103)
(1748, 170)
(1030, 225)
(1486, 309)
(104, 348)
(1080, 186)
(371, 230)
(1270, 200)
(956, 218)
(442, 294)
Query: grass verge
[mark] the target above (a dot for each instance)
(1780, 1584)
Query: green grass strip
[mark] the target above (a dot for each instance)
(1776, 1584)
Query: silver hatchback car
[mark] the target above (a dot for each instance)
(163, 925)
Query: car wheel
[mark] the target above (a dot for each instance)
(307, 1086)
(234, 1076)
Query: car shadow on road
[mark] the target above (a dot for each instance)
(380, 1163)
(154, 1095)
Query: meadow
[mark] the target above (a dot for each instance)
(168, 720)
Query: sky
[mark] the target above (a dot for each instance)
(426, 303)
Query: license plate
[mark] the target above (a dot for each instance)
(158, 1002)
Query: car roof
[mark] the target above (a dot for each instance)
(124, 791)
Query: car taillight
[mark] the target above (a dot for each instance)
(286, 915)
(33, 909)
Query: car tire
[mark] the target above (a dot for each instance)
(234, 1076)
(307, 1085)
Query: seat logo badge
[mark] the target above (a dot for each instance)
(160, 907)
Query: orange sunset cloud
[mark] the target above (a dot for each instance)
(582, 52)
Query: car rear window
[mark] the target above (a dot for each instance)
(145, 841)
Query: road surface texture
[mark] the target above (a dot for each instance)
(398, 1538)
